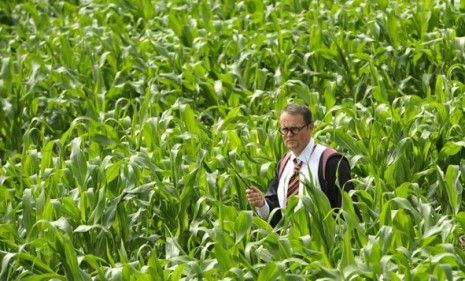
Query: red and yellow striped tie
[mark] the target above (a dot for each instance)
(293, 186)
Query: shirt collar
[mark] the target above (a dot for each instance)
(306, 153)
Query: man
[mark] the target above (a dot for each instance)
(305, 160)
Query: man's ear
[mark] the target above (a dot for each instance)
(311, 127)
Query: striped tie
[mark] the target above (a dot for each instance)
(293, 186)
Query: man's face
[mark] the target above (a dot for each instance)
(295, 142)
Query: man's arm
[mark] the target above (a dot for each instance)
(272, 200)
(266, 203)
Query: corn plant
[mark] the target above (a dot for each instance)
(129, 131)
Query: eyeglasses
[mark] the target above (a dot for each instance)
(292, 130)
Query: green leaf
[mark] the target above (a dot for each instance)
(452, 148)
(269, 272)
(189, 119)
(454, 187)
(78, 162)
(87, 228)
(68, 258)
(347, 252)
(28, 211)
(242, 225)
(223, 256)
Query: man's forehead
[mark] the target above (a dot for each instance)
(290, 118)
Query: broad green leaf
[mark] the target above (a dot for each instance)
(223, 257)
(28, 212)
(453, 187)
(242, 225)
(269, 272)
(189, 119)
(452, 148)
(78, 162)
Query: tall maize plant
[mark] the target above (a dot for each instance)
(126, 127)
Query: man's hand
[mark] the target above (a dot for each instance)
(255, 197)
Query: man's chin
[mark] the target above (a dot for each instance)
(291, 145)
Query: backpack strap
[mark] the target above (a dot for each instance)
(282, 164)
(327, 153)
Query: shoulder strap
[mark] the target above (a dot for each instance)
(282, 164)
(327, 153)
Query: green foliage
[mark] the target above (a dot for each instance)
(128, 128)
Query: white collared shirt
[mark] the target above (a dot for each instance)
(310, 157)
